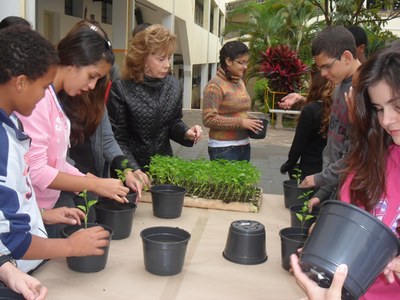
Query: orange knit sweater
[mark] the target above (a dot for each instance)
(226, 103)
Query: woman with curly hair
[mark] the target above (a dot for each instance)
(145, 106)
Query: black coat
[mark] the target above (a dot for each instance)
(308, 143)
(144, 117)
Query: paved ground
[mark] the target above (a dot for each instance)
(267, 154)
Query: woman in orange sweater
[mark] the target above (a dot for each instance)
(226, 103)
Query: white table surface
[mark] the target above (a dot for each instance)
(205, 275)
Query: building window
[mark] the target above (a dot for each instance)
(198, 13)
(73, 8)
(106, 12)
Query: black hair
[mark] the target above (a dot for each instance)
(13, 20)
(359, 34)
(333, 41)
(139, 28)
(232, 50)
(24, 51)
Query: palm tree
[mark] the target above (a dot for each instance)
(270, 23)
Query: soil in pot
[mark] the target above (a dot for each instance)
(261, 133)
(164, 249)
(86, 264)
(347, 234)
(167, 200)
(291, 193)
(295, 220)
(118, 216)
(292, 238)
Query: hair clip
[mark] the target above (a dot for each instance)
(93, 27)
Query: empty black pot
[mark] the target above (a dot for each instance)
(119, 216)
(246, 243)
(86, 264)
(164, 249)
(167, 200)
(292, 238)
(346, 234)
(261, 133)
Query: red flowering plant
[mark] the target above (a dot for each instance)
(283, 68)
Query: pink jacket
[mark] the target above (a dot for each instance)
(388, 211)
(49, 129)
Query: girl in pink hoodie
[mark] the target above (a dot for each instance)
(85, 57)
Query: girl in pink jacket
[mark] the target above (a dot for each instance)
(85, 56)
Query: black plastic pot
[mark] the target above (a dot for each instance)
(131, 196)
(167, 200)
(292, 238)
(246, 243)
(164, 249)
(118, 216)
(261, 133)
(86, 264)
(347, 234)
(291, 193)
(296, 222)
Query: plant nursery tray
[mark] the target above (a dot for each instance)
(248, 206)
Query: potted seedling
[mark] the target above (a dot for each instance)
(121, 175)
(292, 191)
(86, 264)
(119, 216)
(300, 214)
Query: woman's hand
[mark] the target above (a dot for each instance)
(311, 288)
(63, 215)
(392, 270)
(289, 100)
(137, 181)
(194, 133)
(253, 124)
(314, 201)
(111, 188)
(22, 283)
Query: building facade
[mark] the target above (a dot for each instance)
(197, 23)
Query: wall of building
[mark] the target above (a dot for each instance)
(197, 46)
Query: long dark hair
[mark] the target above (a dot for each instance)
(321, 89)
(369, 141)
(86, 44)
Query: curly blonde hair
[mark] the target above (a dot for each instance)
(154, 39)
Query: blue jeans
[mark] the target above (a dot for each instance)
(230, 152)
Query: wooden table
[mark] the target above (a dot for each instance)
(205, 275)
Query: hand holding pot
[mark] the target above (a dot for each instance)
(392, 270)
(89, 241)
(311, 288)
(254, 125)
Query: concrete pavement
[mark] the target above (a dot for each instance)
(267, 155)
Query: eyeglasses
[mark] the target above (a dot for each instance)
(328, 66)
(242, 63)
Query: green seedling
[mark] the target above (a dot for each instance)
(304, 213)
(121, 173)
(88, 204)
(297, 175)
